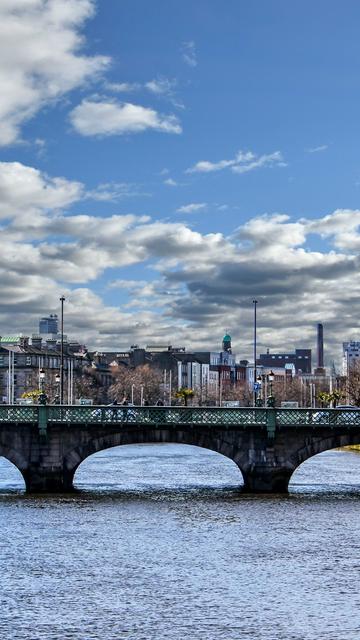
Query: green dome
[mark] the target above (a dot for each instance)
(227, 338)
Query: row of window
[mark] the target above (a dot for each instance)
(28, 361)
(287, 357)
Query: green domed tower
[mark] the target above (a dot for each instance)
(226, 343)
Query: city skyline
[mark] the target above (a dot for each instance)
(160, 183)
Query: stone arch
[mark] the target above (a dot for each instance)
(77, 455)
(17, 459)
(316, 445)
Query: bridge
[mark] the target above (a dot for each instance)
(48, 443)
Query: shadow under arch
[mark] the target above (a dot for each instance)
(15, 461)
(319, 446)
(76, 456)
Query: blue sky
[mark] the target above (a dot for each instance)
(162, 164)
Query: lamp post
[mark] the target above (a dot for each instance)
(57, 381)
(141, 395)
(42, 394)
(132, 393)
(255, 394)
(271, 399)
(259, 401)
(62, 300)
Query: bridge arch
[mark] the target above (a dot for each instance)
(313, 446)
(77, 455)
(17, 460)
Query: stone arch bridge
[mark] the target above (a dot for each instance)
(47, 443)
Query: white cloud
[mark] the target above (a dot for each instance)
(122, 87)
(40, 57)
(322, 147)
(242, 163)
(112, 191)
(170, 182)
(161, 86)
(189, 53)
(192, 208)
(25, 191)
(114, 118)
(189, 280)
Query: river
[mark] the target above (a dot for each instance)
(160, 544)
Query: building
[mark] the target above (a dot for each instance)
(49, 324)
(301, 359)
(351, 355)
(21, 360)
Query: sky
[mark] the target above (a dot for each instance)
(163, 164)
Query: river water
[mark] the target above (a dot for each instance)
(160, 543)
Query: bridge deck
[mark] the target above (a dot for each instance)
(158, 416)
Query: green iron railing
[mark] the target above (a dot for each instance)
(271, 419)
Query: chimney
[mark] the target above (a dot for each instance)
(320, 346)
(36, 342)
(24, 342)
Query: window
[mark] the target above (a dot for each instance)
(28, 361)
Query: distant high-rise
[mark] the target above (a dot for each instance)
(49, 324)
(351, 355)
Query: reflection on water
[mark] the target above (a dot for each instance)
(160, 543)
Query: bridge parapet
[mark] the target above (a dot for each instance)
(156, 416)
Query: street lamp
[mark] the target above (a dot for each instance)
(271, 399)
(259, 398)
(57, 381)
(42, 394)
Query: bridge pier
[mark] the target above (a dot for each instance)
(41, 480)
(265, 479)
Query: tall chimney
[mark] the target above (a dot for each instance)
(320, 346)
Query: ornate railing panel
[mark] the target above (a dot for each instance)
(16, 413)
(317, 417)
(157, 415)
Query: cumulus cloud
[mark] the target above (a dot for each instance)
(25, 191)
(114, 118)
(243, 162)
(192, 284)
(41, 57)
(170, 182)
(192, 207)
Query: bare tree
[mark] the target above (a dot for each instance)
(353, 384)
(89, 385)
(137, 382)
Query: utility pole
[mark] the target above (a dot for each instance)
(254, 387)
(62, 300)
